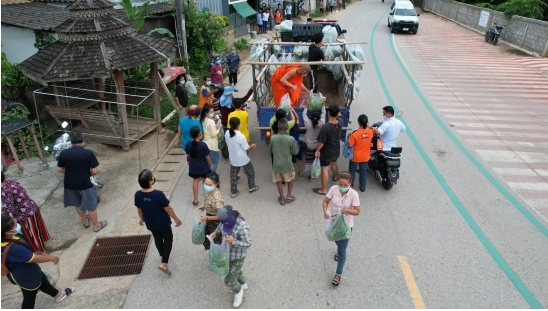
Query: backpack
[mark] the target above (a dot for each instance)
(347, 151)
(5, 270)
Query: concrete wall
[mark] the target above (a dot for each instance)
(18, 43)
(525, 33)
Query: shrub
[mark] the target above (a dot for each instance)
(241, 44)
(526, 8)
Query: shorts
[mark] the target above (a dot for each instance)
(198, 176)
(85, 199)
(283, 177)
(326, 163)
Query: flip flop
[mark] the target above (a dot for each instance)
(317, 190)
(254, 189)
(234, 194)
(291, 199)
(89, 223)
(280, 201)
(65, 293)
(194, 203)
(166, 270)
(103, 224)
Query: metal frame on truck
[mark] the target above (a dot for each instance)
(337, 92)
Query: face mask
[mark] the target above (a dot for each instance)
(385, 118)
(208, 83)
(211, 115)
(17, 229)
(208, 188)
(233, 52)
(182, 82)
(217, 62)
(343, 190)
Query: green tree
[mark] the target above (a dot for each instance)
(205, 34)
(134, 13)
(14, 82)
(526, 8)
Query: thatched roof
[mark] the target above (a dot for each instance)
(92, 42)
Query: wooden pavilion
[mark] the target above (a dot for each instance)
(95, 43)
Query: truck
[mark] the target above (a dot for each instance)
(338, 88)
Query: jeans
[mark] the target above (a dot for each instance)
(352, 167)
(215, 159)
(233, 78)
(341, 252)
(29, 296)
(164, 243)
(265, 24)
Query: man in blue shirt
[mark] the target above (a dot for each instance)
(260, 21)
(233, 67)
(390, 128)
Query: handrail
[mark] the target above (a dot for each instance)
(342, 62)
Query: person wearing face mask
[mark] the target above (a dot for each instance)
(205, 92)
(17, 202)
(390, 128)
(233, 67)
(216, 71)
(241, 113)
(213, 201)
(315, 54)
(209, 119)
(186, 123)
(288, 79)
(23, 268)
(200, 163)
(343, 200)
(154, 211)
(235, 231)
(181, 95)
(282, 146)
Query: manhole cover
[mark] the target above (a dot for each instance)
(116, 256)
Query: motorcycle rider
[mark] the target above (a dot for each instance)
(390, 128)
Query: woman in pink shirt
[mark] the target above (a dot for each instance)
(343, 200)
(216, 72)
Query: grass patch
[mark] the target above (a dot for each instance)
(316, 14)
(241, 44)
(61, 247)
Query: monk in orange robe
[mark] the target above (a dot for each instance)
(289, 79)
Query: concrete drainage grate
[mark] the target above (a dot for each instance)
(116, 256)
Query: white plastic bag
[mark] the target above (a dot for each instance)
(218, 258)
(190, 87)
(286, 26)
(272, 68)
(298, 51)
(256, 51)
(285, 102)
(356, 90)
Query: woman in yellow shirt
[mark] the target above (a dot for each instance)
(241, 113)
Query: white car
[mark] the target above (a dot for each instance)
(403, 17)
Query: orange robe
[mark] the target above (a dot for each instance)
(279, 89)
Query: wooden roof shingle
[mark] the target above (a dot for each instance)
(33, 15)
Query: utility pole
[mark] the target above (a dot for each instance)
(181, 30)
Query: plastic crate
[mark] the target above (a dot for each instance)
(286, 36)
(304, 32)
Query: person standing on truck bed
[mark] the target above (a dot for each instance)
(315, 54)
(288, 79)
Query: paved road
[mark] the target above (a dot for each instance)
(462, 232)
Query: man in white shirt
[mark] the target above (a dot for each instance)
(288, 10)
(266, 15)
(390, 128)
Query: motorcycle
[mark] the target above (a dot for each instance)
(386, 164)
(63, 142)
(493, 34)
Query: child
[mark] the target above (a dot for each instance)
(200, 163)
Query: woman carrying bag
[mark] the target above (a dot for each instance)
(22, 266)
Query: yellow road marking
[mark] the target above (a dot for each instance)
(414, 292)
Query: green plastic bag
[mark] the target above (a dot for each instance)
(337, 229)
(198, 231)
(219, 259)
(285, 103)
(316, 102)
(316, 168)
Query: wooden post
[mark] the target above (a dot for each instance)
(22, 141)
(58, 98)
(122, 113)
(14, 153)
(156, 96)
(100, 88)
(33, 133)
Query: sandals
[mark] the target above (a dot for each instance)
(317, 190)
(234, 194)
(89, 222)
(290, 199)
(280, 200)
(166, 270)
(103, 224)
(194, 203)
(336, 257)
(254, 189)
(65, 293)
(336, 280)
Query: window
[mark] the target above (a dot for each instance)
(405, 12)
